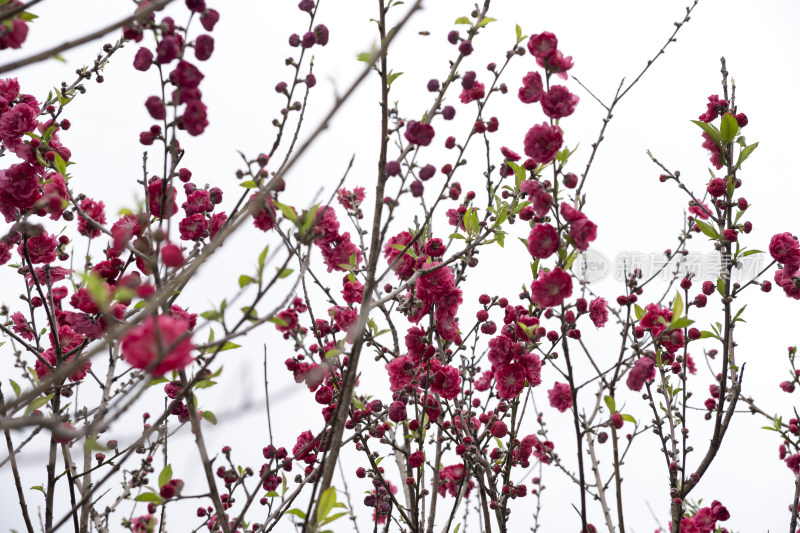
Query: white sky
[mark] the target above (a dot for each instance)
(608, 40)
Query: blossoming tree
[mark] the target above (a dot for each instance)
(457, 431)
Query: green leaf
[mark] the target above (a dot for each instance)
(735, 318)
(728, 128)
(366, 57)
(148, 497)
(17, 389)
(721, 286)
(332, 353)
(91, 444)
(38, 487)
(245, 280)
(332, 518)
(393, 76)
(681, 323)
(485, 21)
(287, 211)
(297, 512)
(229, 346)
(326, 502)
(249, 184)
(37, 403)
(262, 257)
(710, 129)
(60, 164)
(165, 476)
(27, 17)
(612, 406)
(209, 416)
(638, 311)
(677, 306)
(519, 39)
(707, 334)
(463, 20)
(629, 418)
(459, 524)
(751, 252)
(745, 153)
(210, 315)
(284, 273)
(707, 229)
(204, 384)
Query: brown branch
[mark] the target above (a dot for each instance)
(46, 54)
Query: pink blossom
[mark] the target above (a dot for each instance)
(551, 288)
(560, 396)
(446, 382)
(556, 63)
(583, 232)
(477, 92)
(195, 117)
(95, 211)
(643, 370)
(401, 371)
(532, 88)
(700, 212)
(540, 198)
(419, 133)
(17, 121)
(192, 227)
(41, 249)
(162, 197)
(542, 241)
(714, 107)
(571, 214)
(785, 249)
(542, 44)
(172, 256)
(656, 319)
(532, 365)
(338, 252)
(163, 342)
(510, 379)
(716, 154)
(305, 447)
(9, 90)
(351, 199)
(19, 189)
(450, 480)
(403, 265)
(598, 312)
(558, 102)
(542, 142)
(263, 211)
(21, 326)
(186, 75)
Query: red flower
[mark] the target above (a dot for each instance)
(543, 241)
(598, 312)
(560, 396)
(542, 142)
(785, 249)
(559, 102)
(419, 133)
(161, 341)
(510, 380)
(643, 370)
(551, 288)
(542, 44)
(532, 88)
